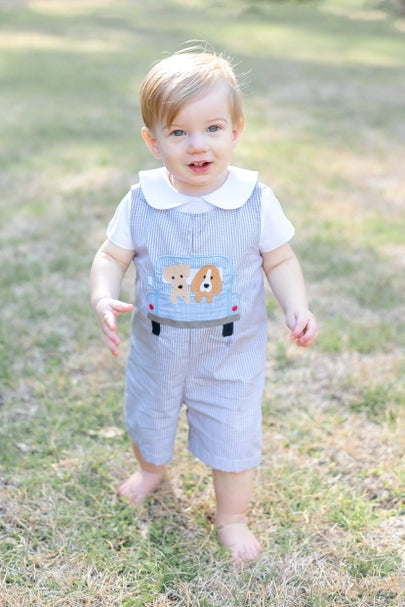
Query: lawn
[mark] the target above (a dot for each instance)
(324, 100)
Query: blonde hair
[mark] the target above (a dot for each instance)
(176, 80)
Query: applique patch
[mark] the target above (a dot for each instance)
(177, 277)
(206, 283)
(193, 292)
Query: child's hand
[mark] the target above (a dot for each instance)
(303, 327)
(107, 311)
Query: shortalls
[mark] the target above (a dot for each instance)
(218, 374)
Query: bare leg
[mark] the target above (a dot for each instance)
(143, 482)
(233, 492)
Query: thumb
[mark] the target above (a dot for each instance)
(119, 307)
(115, 308)
(297, 322)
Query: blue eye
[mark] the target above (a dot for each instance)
(213, 128)
(178, 133)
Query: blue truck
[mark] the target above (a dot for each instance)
(192, 292)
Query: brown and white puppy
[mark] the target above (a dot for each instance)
(206, 283)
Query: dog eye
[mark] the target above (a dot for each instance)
(181, 275)
(173, 277)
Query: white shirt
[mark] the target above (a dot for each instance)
(276, 229)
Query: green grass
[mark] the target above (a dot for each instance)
(324, 97)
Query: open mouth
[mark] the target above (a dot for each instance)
(199, 167)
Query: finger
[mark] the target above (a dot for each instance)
(109, 320)
(112, 336)
(120, 307)
(299, 329)
(309, 336)
(113, 345)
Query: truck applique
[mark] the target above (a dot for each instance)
(193, 292)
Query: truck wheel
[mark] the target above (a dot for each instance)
(227, 329)
(155, 327)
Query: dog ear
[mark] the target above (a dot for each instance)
(195, 283)
(217, 286)
(167, 273)
(185, 269)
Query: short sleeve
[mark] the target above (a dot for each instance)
(119, 231)
(276, 228)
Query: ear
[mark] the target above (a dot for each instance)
(195, 283)
(150, 141)
(236, 132)
(217, 282)
(185, 268)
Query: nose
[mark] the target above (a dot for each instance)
(197, 143)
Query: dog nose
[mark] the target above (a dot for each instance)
(206, 285)
(180, 286)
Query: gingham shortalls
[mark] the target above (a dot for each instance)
(217, 373)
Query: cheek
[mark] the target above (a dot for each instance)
(171, 152)
(227, 144)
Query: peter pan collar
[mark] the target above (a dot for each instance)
(160, 194)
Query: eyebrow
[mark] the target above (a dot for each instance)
(179, 125)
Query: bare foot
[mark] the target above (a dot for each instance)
(240, 540)
(140, 485)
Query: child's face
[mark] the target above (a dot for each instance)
(197, 148)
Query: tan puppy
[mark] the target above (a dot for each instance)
(177, 276)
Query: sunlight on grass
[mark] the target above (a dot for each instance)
(351, 512)
(65, 8)
(34, 40)
(371, 563)
(277, 29)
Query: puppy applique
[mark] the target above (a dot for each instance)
(177, 277)
(206, 283)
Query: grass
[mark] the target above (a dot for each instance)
(324, 94)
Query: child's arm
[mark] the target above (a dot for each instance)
(109, 266)
(284, 274)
